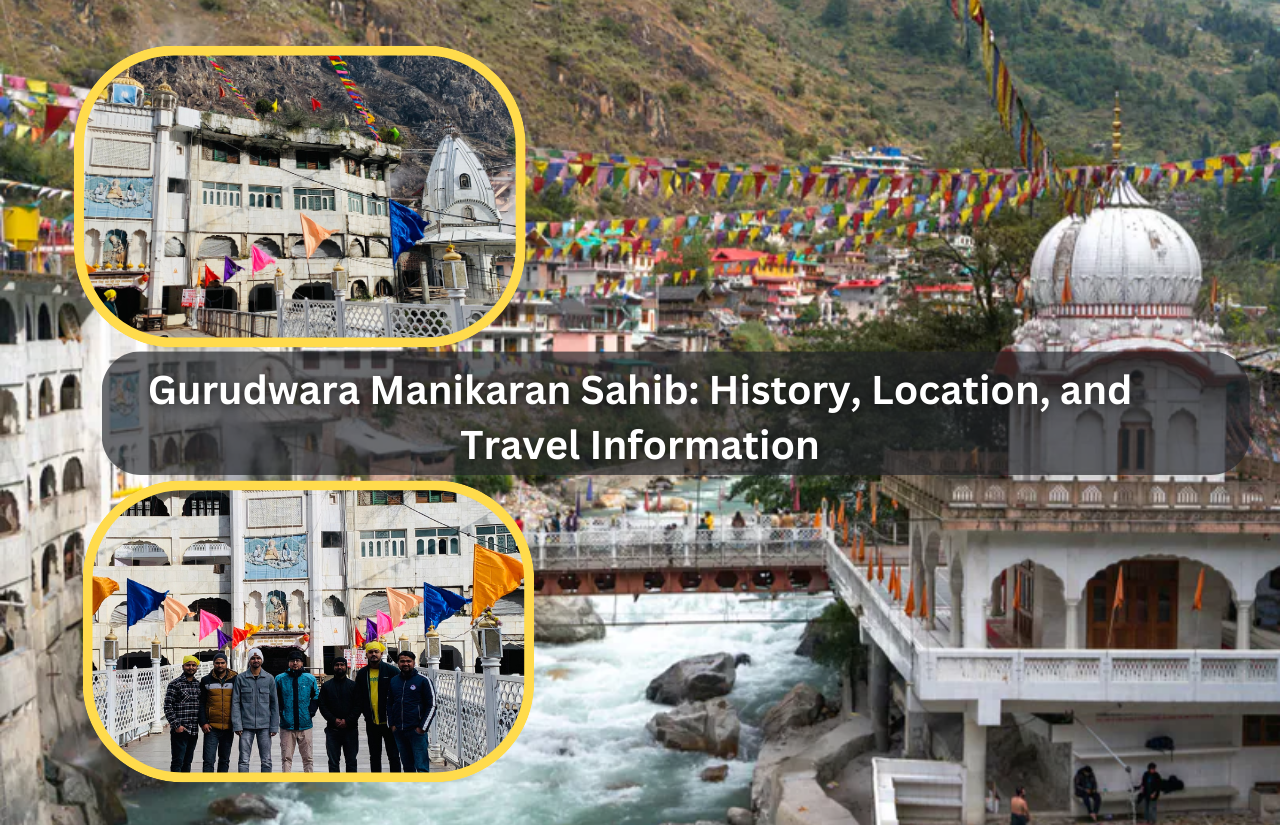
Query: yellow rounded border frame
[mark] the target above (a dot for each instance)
(169, 776)
(489, 317)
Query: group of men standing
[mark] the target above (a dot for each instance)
(396, 702)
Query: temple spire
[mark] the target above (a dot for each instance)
(1116, 132)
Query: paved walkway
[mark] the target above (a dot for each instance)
(153, 750)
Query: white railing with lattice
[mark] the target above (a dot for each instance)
(131, 702)
(444, 728)
(305, 318)
(420, 321)
(510, 698)
(472, 736)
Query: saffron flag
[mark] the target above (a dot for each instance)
(223, 639)
(259, 259)
(102, 587)
(1198, 604)
(399, 603)
(910, 609)
(174, 612)
(312, 234)
(1017, 592)
(141, 601)
(230, 268)
(238, 635)
(221, 91)
(1118, 602)
(494, 575)
(385, 625)
(208, 623)
(924, 599)
(880, 570)
(439, 604)
(250, 629)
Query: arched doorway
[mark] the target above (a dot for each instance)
(1146, 614)
(129, 302)
(383, 288)
(316, 291)
(262, 298)
(202, 448)
(221, 297)
(359, 290)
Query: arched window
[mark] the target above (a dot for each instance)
(355, 249)
(333, 606)
(48, 567)
(326, 249)
(262, 298)
(8, 324)
(68, 322)
(150, 506)
(207, 503)
(202, 447)
(72, 556)
(70, 395)
(269, 246)
(175, 248)
(217, 246)
(383, 288)
(464, 181)
(373, 602)
(171, 455)
(140, 554)
(9, 521)
(72, 476)
(44, 324)
(48, 483)
(92, 246)
(30, 328)
(468, 213)
(10, 416)
(46, 397)
(218, 607)
(359, 289)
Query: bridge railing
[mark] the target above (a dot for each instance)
(676, 546)
(130, 702)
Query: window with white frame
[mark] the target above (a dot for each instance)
(220, 194)
(317, 200)
(437, 541)
(355, 203)
(266, 197)
(496, 537)
(379, 543)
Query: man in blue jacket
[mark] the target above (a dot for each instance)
(413, 706)
(299, 700)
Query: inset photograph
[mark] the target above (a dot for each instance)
(308, 631)
(300, 196)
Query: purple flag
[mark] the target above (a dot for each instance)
(370, 630)
(223, 639)
(229, 268)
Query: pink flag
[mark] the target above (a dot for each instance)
(261, 259)
(208, 623)
(384, 624)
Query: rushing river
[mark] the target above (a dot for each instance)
(583, 756)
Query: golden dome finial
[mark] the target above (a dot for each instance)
(1116, 132)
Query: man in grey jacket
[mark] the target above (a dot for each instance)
(255, 712)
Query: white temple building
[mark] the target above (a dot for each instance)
(1020, 569)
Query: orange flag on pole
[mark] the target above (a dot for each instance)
(103, 587)
(238, 635)
(924, 600)
(880, 571)
(494, 575)
(1118, 602)
(857, 506)
(312, 234)
(1017, 591)
(871, 566)
(840, 515)
(400, 603)
(1198, 604)
(174, 612)
(893, 580)
(910, 609)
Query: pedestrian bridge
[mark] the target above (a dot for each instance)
(614, 557)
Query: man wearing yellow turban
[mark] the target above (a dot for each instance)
(373, 686)
(182, 712)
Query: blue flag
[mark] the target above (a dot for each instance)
(439, 604)
(406, 229)
(141, 601)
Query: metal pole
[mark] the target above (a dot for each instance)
(491, 666)
(458, 711)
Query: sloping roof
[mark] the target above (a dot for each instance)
(736, 254)
(360, 435)
(680, 293)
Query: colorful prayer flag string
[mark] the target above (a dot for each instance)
(226, 78)
(357, 99)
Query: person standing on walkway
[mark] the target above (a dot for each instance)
(182, 712)
(215, 714)
(299, 698)
(340, 707)
(1019, 811)
(255, 712)
(373, 685)
(413, 705)
(1149, 793)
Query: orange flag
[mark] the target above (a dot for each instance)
(400, 603)
(312, 234)
(924, 600)
(840, 515)
(1119, 599)
(846, 531)
(910, 609)
(862, 546)
(1017, 591)
(871, 565)
(103, 587)
(1066, 289)
(1198, 604)
(174, 612)
(880, 571)
(817, 520)
(494, 575)
(893, 580)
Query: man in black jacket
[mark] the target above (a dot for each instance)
(1151, 786)
(340, 707)
(373, 687)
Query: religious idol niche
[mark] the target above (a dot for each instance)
(277, 608)
(276, 557)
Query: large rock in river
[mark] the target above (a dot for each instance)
(694, 679)
(565, 620)
(243, 808)
(801, 707)
(709, 727)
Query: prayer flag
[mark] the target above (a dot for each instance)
(359, 638)
(439, 604)
(230, 268)
(141, 601)
(370, 630)
(910, 609)
(385, 625)
(174, 612)
(1118, 602)
(223, 639)
(238, 635)
(210, 277)
(313, 234)
(407, 228)
(208, 623)
(259, 259)
(399, 603)
(1198, 604)
(102, 587)
(315, 104)
(53, 117)
(494, 575)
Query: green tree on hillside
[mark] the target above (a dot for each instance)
(836, 14)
